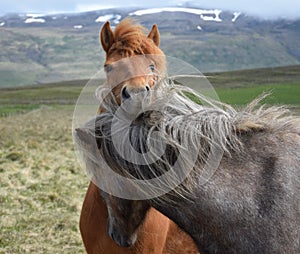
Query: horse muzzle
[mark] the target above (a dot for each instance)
(134, 100)
(135, 93)
(121, 240)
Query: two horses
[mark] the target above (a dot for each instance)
(157, 235)
(241, 192)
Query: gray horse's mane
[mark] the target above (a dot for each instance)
(175, 123)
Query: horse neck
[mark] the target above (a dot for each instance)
(180, 211)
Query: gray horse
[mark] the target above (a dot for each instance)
(248, 204)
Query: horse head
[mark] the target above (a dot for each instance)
(134, 62)
(124, 218)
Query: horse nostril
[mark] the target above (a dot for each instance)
(147, 88)
(112, 235)
(125, 94)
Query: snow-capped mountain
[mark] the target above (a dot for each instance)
(66, 46)
(168, 18)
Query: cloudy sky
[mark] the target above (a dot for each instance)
(264, 8)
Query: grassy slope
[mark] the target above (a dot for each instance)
(22, 99)
(240, 87)
(280, 94)
(236, 87)
(41, 184)
(210, 52)
(35, 55)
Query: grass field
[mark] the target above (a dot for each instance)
(280, 94)
(41, 184)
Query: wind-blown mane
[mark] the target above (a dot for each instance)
(185, 128)
(242, 198)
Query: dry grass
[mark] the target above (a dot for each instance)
(41, 185)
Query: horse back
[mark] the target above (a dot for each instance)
(251, 204)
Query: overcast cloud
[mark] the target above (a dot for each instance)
(263, 8)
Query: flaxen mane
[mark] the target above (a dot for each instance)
(184, 127)
(248, 203)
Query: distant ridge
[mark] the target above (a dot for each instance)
(50, 48)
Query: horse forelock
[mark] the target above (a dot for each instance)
(131, 39)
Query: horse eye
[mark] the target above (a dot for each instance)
(152, 67)
(107, 68)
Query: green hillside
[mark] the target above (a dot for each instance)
(236, 87)
(36, 55)
(211, 52)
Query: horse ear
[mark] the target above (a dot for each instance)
(154, 35)
(106, 36)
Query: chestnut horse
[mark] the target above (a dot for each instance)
(157, 234)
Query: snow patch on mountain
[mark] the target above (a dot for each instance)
(214, 16)
(78, 26)
(115, 18)
(207, 15)
(235, 16)
(34, 20)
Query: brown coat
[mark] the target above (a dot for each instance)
(158, 235)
